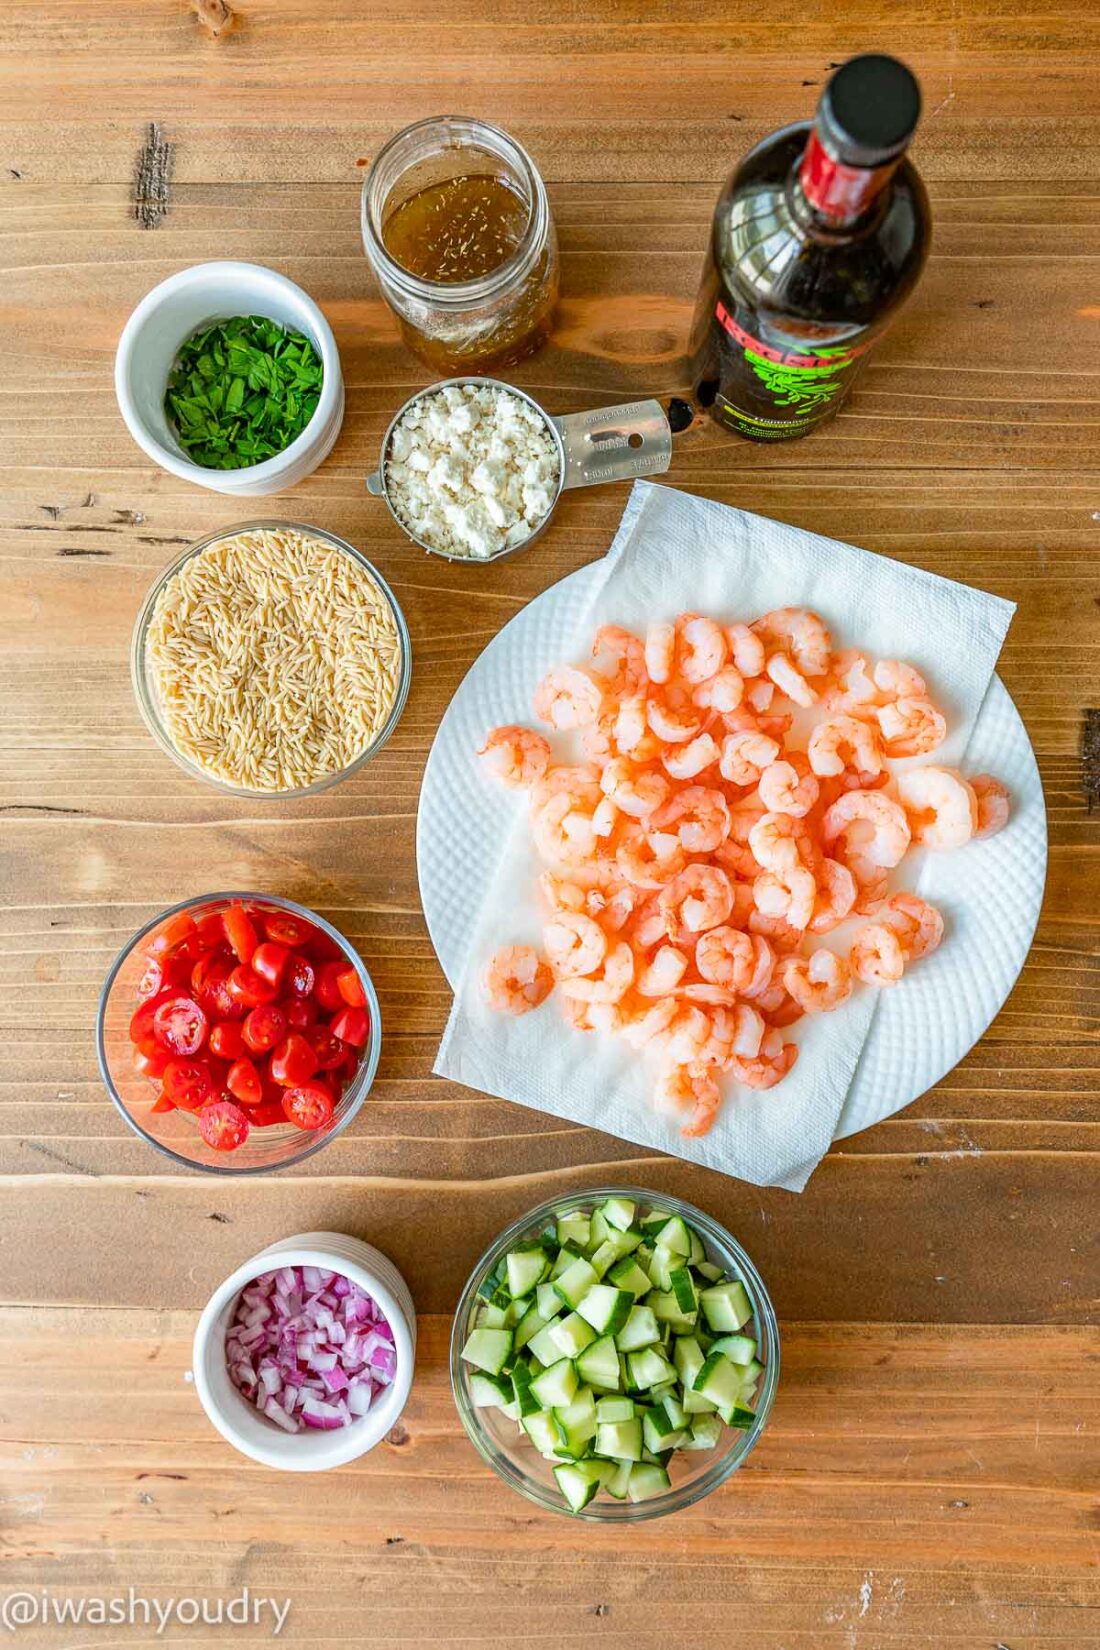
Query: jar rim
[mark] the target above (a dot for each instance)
(457, 131)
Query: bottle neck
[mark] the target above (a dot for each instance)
(836, 193)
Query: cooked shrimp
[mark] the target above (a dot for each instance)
(701, 818)
(687, 1035)
(701, 897)
(776, 930)
(788, 787)
(994, 804)
(568, 698)
(911, 727)
(744, 757)
(790, 680)
(614, 909)
(727, 957)
(876, 956)
(940, 806)
(560, 894)
(760, 696)
(615, 978)
(770, 1066)
(645, 863)
(662, 974)
(852, 683)
(701, 648)
(918, 925)
(722, 692)
(682, 1086)
(836, 895)
(575, 944)
(516, 755)
(581, 780)
(780, 1009)
(635, 791)
(628, 653)
(690, 760)
(790, 893)
(564, 830)
(673, 718)
(869, 823)
(780, 842)
(746, 649)
(517, 979)
(660, 652)
(653, 1023)
(897, 680)
(800, 633)
(872, 886)
(818, 983)
(844, 742)
(629, 729)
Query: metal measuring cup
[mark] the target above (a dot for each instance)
(607, 444)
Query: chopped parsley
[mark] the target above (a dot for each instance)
(241, 391)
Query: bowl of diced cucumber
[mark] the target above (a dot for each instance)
(615, 1355)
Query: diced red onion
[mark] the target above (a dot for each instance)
(309, 1348)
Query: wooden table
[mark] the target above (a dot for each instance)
(928, 1476)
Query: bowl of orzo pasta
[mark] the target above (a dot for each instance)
(271, 660)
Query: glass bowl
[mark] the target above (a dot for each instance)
(145, 689)
(175, 1133)
(694, 1473)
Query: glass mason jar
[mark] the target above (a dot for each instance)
(470, 325)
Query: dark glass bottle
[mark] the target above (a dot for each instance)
(819, 236)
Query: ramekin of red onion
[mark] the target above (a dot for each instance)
(303, 1358)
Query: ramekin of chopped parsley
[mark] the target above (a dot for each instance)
(241, 390)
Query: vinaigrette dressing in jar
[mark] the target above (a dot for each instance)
(457, 228)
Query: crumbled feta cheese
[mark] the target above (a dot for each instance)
(472, 470)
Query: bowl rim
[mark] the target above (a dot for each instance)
(361, 1083)
(260, 275)
(741, 1443)
(146, 699)
(308, 1249)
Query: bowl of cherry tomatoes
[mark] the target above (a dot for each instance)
(238, 1033)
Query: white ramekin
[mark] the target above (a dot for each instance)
(239, 1422)
(166, 318)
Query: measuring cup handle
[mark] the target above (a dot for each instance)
(615, 443)
(375, 485)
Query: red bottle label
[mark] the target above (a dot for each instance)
(835, 191)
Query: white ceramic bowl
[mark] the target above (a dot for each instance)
(239, 1422)
(167, 317)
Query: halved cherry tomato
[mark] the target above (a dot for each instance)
(152, 980)
(177, 928)
(293, 1061)
(330, 1051)
(210, 931)
(308, 1105)
(327, 989)
(163, 1104)
(352, 1026)
(301, 1012)
(270, 959)
(251, 988)
(322, 948)
(142, 1034)
(240, 931)
(210, 988)
(288, 929)
(223, 1126)
(243, 1082)
(226, 1040)
(351, 988)
(180, 1025)
(301, 976)
(267, 1113)
(150, 1065)
(263, 1028)
(189, 1083)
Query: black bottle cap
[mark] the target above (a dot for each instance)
(869, 110)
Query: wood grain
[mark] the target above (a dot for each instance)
(929, 1475)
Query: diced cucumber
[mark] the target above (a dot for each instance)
(620, 1440)
(698, 1253)
(574, 1227)
(574, 1283)
(706, 1430)
(598, 1364)
(613, 1248)
(750, 1374)
(557, 1385)
(489, 1391)
(661, 1267)
(614, 1409)
(516, 1311)
(719, 1380)
(658, 1433)
(543, 1431)
(548, 1301)
(598, 1229)
(489, 1285)
(726, 1306)
(528, 1326)
(619, 1481)
(524, 1267)
(492, 1317)
(737, 1415)
(544, 1347)
(706, 1269)
(524, 1399)
(640, 1329)
(488, 1349)
(618, 1212)
(647, 1481)
(576, 1484)
(655, 1222)
(688, 1358)
(666, 1308)
(606, 1308)
(682, 1286)
(739, 1349)
(578, 1418)
(571, 1335)
(695, 1404)
(627, 1274)
(649, 1367)
(673, 1408)
(675, 1236)
(568, 1253)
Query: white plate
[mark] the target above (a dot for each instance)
(992, 892)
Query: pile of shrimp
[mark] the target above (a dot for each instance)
(701, 847)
